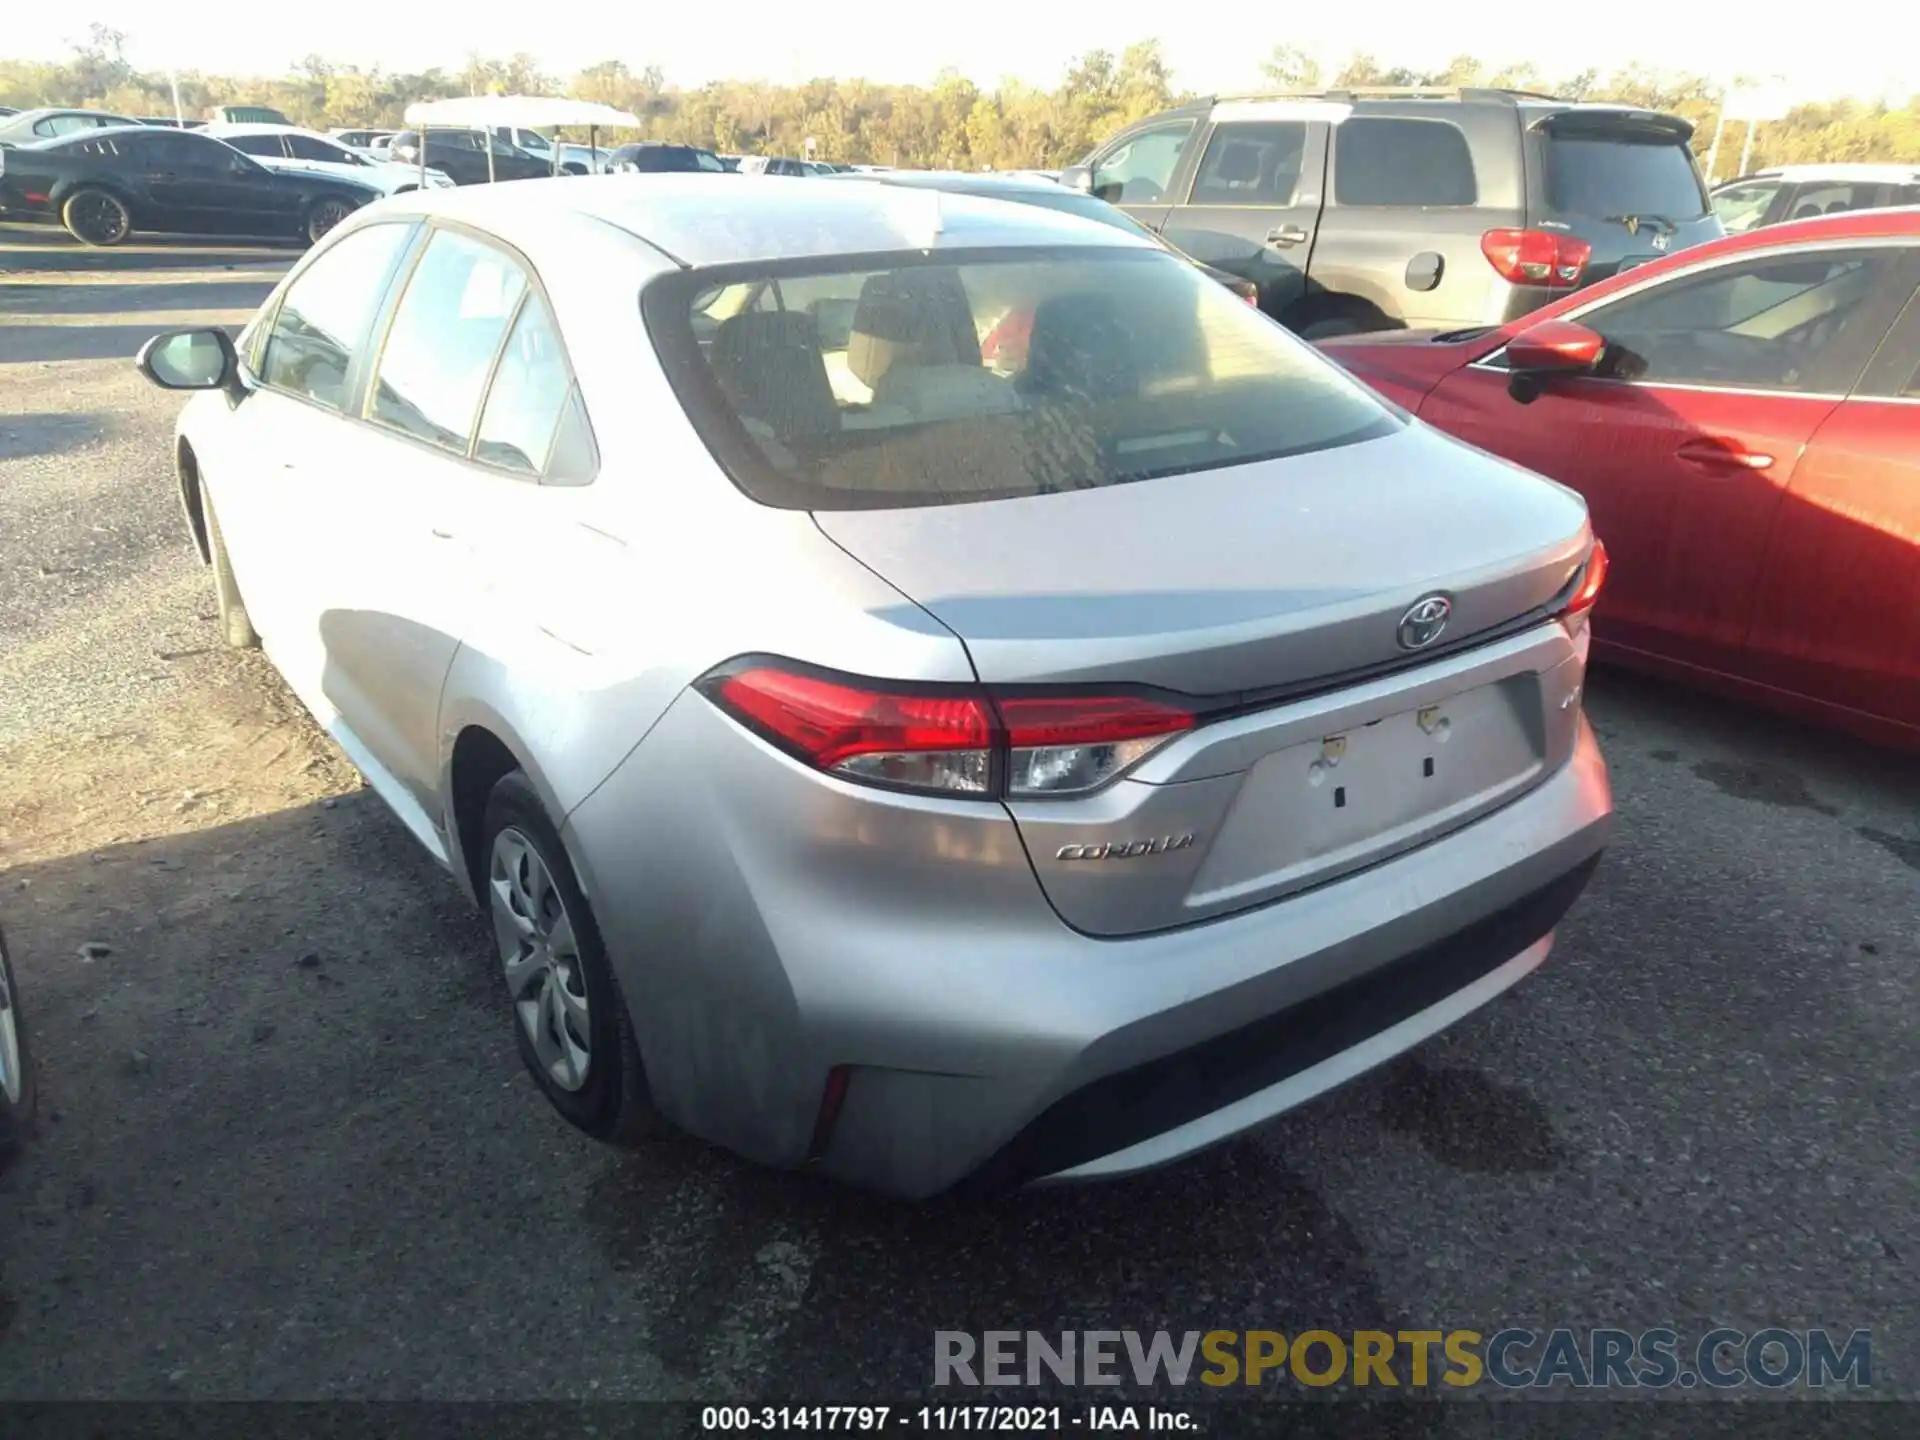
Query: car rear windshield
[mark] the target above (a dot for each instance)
(1604, 176)
(895, 381)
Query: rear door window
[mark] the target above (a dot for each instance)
(1381, 160)
(445, 332)
(323, 318)
(1605, 177)
(1253, 164)
(528, 396)
(1743, 207)
(305, 147)
(1833, 199)
(919, 380)
(264, 145)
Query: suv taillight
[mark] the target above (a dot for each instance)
(945, 739)
(1537, 257)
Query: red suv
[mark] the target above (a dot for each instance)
(1743, 419)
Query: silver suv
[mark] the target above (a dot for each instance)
(1376, 209)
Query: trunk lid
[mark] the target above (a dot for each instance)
(1255, 578)
(1279, 588)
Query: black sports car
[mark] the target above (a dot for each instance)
(105, 184)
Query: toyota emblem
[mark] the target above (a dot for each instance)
(1425, 622)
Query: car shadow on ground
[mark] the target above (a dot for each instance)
(47, 247)
(131, 297)
(30, 344)
(292, 1025)
(22, 436)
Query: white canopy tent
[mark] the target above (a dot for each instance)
(525, 112)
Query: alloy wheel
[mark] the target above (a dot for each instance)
(541, 958)
(325, 215)
(99, 219)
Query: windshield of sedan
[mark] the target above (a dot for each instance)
(930, 379)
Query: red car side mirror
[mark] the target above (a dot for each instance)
(1552, 347)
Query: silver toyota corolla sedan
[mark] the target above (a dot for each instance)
(924, 687)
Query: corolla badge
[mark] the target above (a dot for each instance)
(1425, 622)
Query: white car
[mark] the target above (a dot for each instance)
(288, 147)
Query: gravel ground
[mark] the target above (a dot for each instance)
(287, 1149)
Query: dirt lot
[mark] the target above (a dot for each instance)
(287, 1149)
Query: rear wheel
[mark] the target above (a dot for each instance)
(17, 1091)
(324, 215)
(570, 1019)
(95, 217)
(236, 627)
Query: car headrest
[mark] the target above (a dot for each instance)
(770, 366)
(1240, 165)
(1080, 348)
(918, 316)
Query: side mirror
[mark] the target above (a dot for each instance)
(1078, 177)
(1552, 347)
(189, 360)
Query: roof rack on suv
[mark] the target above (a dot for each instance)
(1388, 92)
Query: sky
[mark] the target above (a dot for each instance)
(991, 40)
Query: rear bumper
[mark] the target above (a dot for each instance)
(768, 925)
(1170, 1107)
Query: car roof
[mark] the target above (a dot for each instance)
(762, 218)
(27, 117)
(257, 127)
(970, 182)
(1890, 174)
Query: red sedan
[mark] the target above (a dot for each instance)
(1743, 419)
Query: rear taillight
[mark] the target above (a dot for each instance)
(1537, 257)
(1069, 744)
(946, 739)
(1588, 584)
(934, 740)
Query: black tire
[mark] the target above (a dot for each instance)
(612, 1103)
(18, 1094)
(236, 626)
(323, 215)
(97, 218)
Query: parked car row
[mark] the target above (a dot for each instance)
(1357, 210)
(51, 122)
(105, 184)
(290, 148)
(1800, 192)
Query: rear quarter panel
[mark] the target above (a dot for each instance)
(1365, 250)
(612, 597)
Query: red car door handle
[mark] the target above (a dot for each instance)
(1723, 455)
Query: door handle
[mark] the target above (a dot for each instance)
(440, 534)
(1722, 455)
(1286, 235)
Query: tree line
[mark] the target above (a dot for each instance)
(950, 123)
